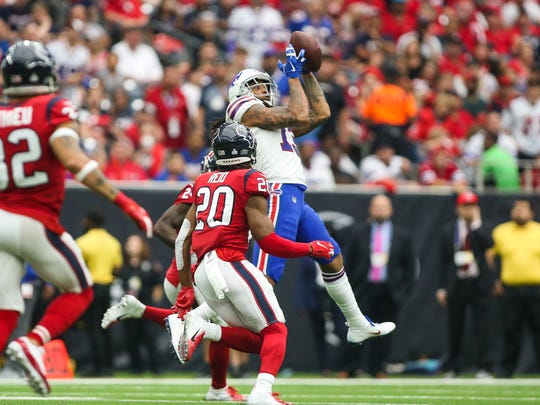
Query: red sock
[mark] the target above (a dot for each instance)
(273, 348)
(241, 339)
(8, 323)
(219, 362)
(61, 313)
(157, 315)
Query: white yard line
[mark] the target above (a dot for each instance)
(290, 381)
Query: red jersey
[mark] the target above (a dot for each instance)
(221, 199)
(31, 178)
(127, 8)
(171, 111)
(185, 196)
(428, 174)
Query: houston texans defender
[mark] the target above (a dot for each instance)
(166, 228)
(38, 142)
(228, 203)
(252, 98)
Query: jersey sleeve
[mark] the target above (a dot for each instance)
(185, 196)
(256, 183)
(61, 110)
(236, 110)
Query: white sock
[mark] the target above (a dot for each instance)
(338, 287)
(264, 382)
(204, 311)
(211, 331)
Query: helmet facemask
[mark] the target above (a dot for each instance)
(269, 98)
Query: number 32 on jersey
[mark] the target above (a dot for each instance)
(20, 159)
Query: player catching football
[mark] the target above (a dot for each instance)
(38, 142)
(252, 99)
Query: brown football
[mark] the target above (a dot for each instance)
(300, 40)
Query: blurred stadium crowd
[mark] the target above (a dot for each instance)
(422, 92)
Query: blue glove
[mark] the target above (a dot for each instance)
(294, 65)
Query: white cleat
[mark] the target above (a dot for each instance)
(265, 398)
(191, 338)
(128, 307)
(175, 327)
(359, 335)
(30, 358)
(224, 394)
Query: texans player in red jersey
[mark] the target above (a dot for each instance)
(228, 203)
(38, 142)
(166, 228)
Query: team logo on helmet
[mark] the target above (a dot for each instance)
(233, 143)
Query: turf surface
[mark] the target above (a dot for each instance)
(314, 391)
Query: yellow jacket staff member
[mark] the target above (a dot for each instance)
(101, 251)
(517, 243)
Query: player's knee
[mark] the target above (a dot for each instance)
(79, 301)
(277, 328)
(335, 263)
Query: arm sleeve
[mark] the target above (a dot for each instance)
(277, 246)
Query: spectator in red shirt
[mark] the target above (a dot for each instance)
(453, 59)
(122, 165)
(497, 34)
(167, 104)
(126, 13)
(123, 14)
(395, 21)
(472, 28)
(440, 169)
(151, 152)
(461, 122)
(447, 112)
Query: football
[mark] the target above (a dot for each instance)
(300, 40)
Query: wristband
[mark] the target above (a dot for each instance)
(86, 169)
(281, 247)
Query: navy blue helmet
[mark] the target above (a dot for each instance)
(233, 143)
(28, 68)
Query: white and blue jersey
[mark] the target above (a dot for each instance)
(278, 159)
(277, 156)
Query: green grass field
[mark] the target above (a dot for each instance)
(315, 391)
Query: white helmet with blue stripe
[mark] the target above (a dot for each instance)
(246, 79)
